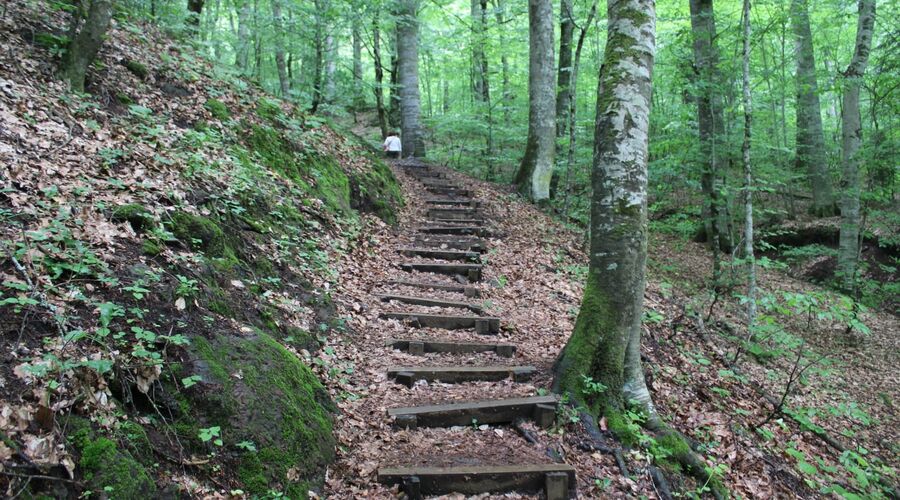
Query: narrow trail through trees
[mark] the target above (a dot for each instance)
(451, 400)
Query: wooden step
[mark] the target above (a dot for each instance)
(424, 301)
(453, 201)
(496, 411)
(452, 213)
(424, 173)
(431, 302)
(439, 253)
(451, 241)
(479, 231)
(485, 325)
(455, 221)
(468, 291)
(452, 191)
(419, 347)
(557, 481)
(470, 271)
(441, 183)
(408, 375)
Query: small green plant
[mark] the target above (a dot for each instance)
(186, 288)
(211, 434)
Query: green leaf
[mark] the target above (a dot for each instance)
(191, 381)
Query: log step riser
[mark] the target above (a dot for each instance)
(424, 301)
(542, 409)
(408, 376)
(420, 347)
(465, 290)
(482, 325)
(556, 481)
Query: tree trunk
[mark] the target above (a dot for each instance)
(533, 177)
(89, 25)
(605, 345)
(195, 8)
(475, 15)
(445, 103)
(573, 108)
(330, 68)
(564, 71)
(408, 67)
(709, 119)
(504, 61)
(284, 83)
(810, 136)
(379, 78)
(359, 99)
(394, 90)
(243, 52)
(851, 140)
(747, 99)
(319, 43)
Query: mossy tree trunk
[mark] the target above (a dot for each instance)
(851, 141)
(810, 136)
(606, 342)
(408, 67)
(195, 8)
(89, 25)
(533, 176)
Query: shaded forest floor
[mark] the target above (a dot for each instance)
(533, 279)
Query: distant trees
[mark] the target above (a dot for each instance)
(536, 168)
(710, 121)
(605, 346)
(810, 135)
(89, 23)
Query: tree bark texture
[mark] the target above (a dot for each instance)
(408, 68)
(533, 176)
(89, 27)
(810, 136)
(564, 70)
(605, 345)
(851, 141)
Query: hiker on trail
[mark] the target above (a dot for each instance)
(392, 145)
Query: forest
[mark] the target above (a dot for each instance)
(631, 249)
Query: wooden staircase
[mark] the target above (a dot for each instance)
(450, 243)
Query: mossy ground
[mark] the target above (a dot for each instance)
(109, 469)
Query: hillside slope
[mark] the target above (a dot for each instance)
(167, 241)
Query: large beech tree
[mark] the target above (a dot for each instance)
(606, 343)
(408, 78)
(533, 176)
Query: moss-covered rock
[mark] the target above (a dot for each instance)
(218, 109)
(136, 215)
(109, 470)
(202, 233)
(114, 473)
(377, 191)
(258, 392)
(137, 69)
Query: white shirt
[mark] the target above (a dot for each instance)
(392, 143)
